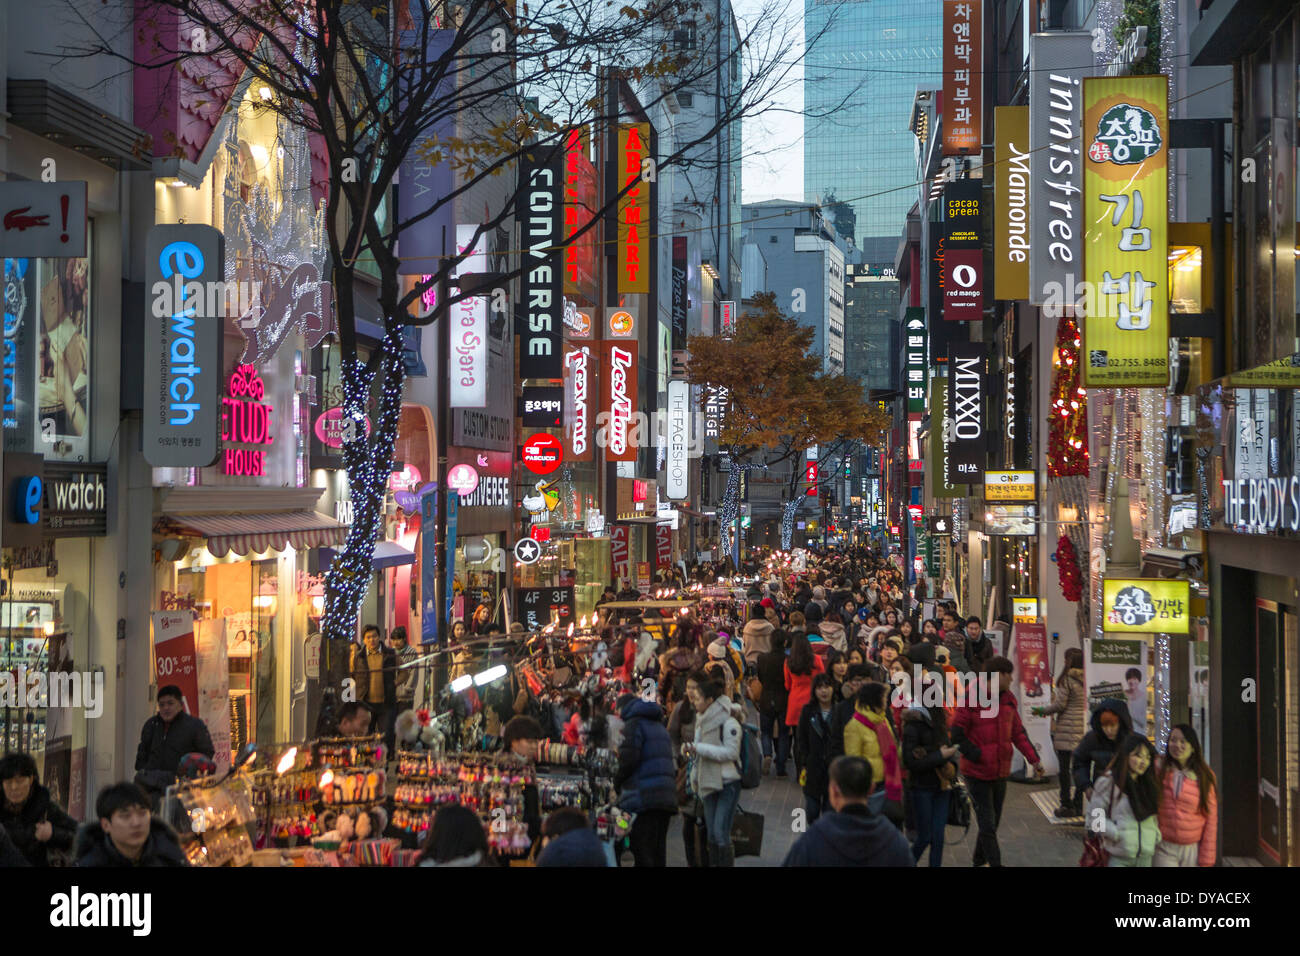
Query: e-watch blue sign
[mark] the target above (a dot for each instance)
(184, 332)
(28, 491)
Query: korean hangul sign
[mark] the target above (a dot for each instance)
(916, 365)
(963, 59)
(1146, 606)
(1125, 175)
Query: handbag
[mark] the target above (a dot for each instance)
(1094, 848)
(683, 785)
(959, 805)
(755, 688)
(747, 833)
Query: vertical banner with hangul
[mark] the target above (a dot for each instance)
(916, 364)
(963, 60)
(1125, 195)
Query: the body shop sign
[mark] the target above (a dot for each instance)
(182, 350)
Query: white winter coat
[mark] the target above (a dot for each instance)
(1129, 842)
(717, 746)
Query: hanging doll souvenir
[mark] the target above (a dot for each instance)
(599, 656)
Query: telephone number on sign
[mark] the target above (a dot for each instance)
(1138, 362)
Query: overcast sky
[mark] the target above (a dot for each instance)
(773, 143)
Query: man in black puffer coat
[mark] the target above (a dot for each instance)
(852, 835)
(647, 779)
(165, 738)
(34, 822)
(126, 834)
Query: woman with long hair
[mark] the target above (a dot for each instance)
(1189, 805)
(457, 838)
(1069, 712)
(1128, 798)
(814, 751)
(800, 668)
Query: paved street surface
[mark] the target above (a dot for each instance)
(1026, 838)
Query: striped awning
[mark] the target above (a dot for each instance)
(268, 531)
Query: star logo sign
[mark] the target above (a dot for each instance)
(527, 550)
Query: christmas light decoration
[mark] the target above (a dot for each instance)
(1067, 433)
(1067, 564)
(787, 523)
(1163, 722)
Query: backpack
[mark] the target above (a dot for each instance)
(751, 758)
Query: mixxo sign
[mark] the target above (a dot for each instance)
(540, 212)
(183, 351)
(966, 450)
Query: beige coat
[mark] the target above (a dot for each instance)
(1069, 708)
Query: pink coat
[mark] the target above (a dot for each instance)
(1181, 821)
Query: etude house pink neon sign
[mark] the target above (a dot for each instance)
(245, 420)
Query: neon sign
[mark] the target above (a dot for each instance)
(245, 420)
(620, 406)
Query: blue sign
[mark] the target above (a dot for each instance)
(453, 506)
(27, 499)
(429, 568)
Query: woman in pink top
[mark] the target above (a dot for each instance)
(1189, 806)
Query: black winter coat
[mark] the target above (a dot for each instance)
(10, 855)
(852, 837)
(924, 732)
(161, 849)
(840, 718)
(814, 750)
(1096, 750)
(647, 772)
(771, 672)
(162, 747)
(21, 826)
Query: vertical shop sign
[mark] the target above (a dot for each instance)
(1033, 681)
(20, 355)
(182, 349)
(633, 209)
(1011, 244)
(940, 440)
(579, 209)
(578, 388)
(679, 293)
(679, 426)
(540, 212)
(453, 509)
(966, 450)
(175, 661)
(1058, 63)
(618, 550)
(619, 383)
(1125, 187)
(468, 367)
(429, 568)
(916, 365)
(425, 176)
(934, 304)
(963, 60)
(663, 546)
(963, 251)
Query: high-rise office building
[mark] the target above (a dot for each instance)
(865, 61)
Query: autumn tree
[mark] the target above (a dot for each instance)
(778, 402)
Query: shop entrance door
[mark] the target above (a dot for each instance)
(1273, 625)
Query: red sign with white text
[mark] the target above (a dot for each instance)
(811, 475)
(175, 661)
(963, 63)
(618, 544)
(542, 454)
(618, 406)
(663, 546)
(579, 401)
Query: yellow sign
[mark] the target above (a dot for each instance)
(1009, 486)
(1011, 203)
(1146, 606)
(634, 225)
(1024, 610)
(1125, 212)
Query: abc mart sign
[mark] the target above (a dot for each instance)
(1009, 486)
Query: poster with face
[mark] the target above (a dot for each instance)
(1116, 668)
(63, 387)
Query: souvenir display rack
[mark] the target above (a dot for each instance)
(492, 785)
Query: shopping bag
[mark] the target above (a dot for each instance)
(1094, 852)
(959, 805)
(747, 833)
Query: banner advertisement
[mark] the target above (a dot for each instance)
(1011, 243)
(1146, 606)
(963, 251)
(619, 391)
(20, 304)
(580, 202)
(214, 687)
(676, 472)
(963, 60)
(467, 368)
(453, 509)
(663, 546)
(175, 660)
(967, 445)
(1009, 486)
(618, 550)
(1117, 668)
(680, 299)
(914, 329)
(540, 213)
(1058, 63)
(1033, 687)
(426, 179)
(633, 209)
(579, 408)
(429, 568)
(1126, 200)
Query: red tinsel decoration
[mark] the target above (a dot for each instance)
(1067, 425)
(1067, 563)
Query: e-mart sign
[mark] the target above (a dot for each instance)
(1009, 486)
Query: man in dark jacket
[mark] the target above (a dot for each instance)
(165, 738)
(647, 779)
(126, 833)
(773, 732)
(852, 835)
(1110, 723)
(33, 821)
(979, 649)
(374, 668)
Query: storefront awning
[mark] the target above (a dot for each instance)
(388, 554)
(254, 533)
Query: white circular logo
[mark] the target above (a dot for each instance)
(527, 551)
(965, 276)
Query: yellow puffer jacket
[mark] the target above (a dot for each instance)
(860, 741)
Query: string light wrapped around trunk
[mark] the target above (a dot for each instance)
(1067, 430)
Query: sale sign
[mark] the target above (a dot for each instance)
(618, 549)
(175, 660)
(663, 546)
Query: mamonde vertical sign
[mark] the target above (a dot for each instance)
(1011, 203)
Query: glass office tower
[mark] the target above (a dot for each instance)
(866, 60)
